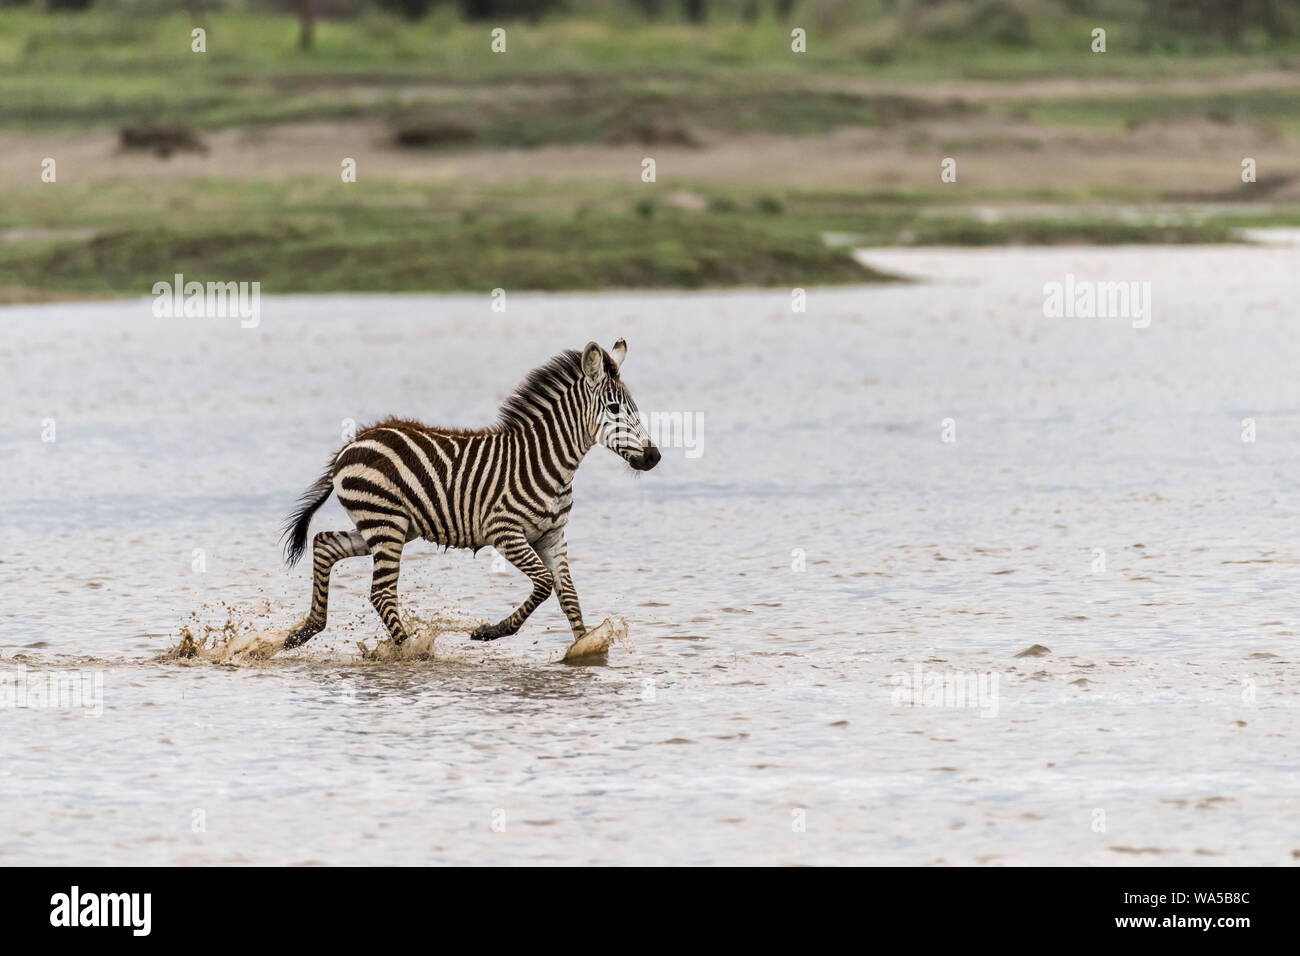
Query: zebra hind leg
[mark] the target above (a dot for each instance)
(328, 548)
(383, 586)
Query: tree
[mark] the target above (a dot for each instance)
(306, 23)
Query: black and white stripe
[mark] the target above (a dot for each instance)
(509, 486)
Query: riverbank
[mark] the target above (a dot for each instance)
(526, 171)
(117, 239)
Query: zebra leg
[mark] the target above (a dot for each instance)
(554, 552)
(328, 548)
(516, 549)
(383, 586)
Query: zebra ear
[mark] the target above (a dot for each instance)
(593, 362)
(619, 351)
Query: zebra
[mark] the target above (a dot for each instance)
(509, 486)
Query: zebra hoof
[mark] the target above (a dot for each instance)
(485, 632)
(301, 635)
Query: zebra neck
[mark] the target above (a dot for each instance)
(556, 444)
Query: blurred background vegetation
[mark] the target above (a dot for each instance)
(523, 169)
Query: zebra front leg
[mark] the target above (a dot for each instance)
(383, 587)
(516, 549)
(328, 548)
(554, 552)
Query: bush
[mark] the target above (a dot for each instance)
(409, 9)
(1003, 22)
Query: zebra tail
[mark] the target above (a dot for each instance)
(295, 528)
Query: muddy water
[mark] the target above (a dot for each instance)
(800, 585)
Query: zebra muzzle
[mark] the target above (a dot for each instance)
(647, 459)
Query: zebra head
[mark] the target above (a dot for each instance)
(612, 417)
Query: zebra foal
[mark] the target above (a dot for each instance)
(509, 486)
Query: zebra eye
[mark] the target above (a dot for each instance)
(612, 408)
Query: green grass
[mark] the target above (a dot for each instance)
(512, 253)
(306, 236)
(101, 68)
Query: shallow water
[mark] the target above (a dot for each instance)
(782, 587)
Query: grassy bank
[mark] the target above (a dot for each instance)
(304, 236)
(1057, 144)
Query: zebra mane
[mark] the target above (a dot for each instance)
(540, 387)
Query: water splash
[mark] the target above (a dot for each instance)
(597, 641)
(248, 637)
